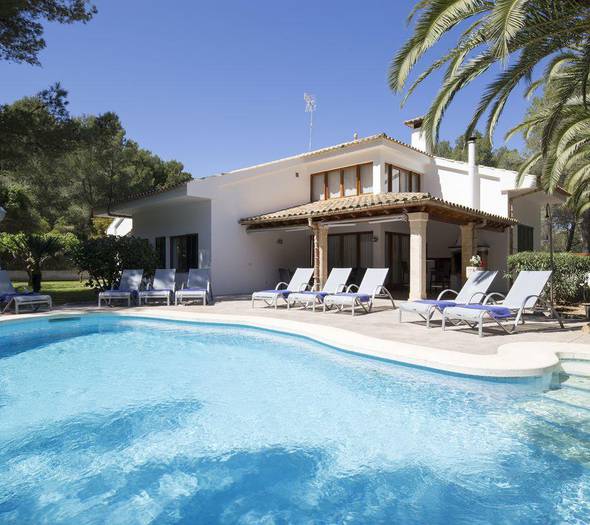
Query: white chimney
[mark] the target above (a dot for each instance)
(418, 140)
(473, 173)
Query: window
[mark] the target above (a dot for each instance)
(525, 236)
(342, 182)
(160, 246)
(366, 178)
(184, 251)
(401, 180)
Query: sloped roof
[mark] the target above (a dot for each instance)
(380, 204)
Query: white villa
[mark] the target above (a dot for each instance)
(371, 202)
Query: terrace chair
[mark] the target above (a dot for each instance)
(335, 283)
(129, 285)
(162, 287)
(298, 283)
(524, 295)
(9, 296)
(197, 286)
(370, 288)
(473, 291)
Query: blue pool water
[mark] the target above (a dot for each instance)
(118, 420)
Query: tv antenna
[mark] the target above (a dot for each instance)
(310, 107)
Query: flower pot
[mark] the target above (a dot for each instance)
(470, 269)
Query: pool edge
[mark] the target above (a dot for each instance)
(511, 361)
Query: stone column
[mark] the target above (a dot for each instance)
(468, 246)
(320, 254)
(418, 225)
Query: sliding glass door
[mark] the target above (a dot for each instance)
(351, 250)
(397, 258)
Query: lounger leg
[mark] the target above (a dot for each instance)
(353, 308)
(50, 303)
(444, 319)
(480, 328)
(16, 307)
(428, 316)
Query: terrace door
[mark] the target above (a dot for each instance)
(397, 259)
(351, 250)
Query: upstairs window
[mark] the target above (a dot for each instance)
(342, 182)
(400, 180)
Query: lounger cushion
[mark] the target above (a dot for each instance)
(155, 292)
(193, 289)
(439, 304)
(10, 295)
(498, 312)
(271, 292)
(314, 294)
(364, 298)
(31, 298)
(115, 293)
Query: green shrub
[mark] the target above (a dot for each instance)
(105, 257)
(33, 250)
(570, 272)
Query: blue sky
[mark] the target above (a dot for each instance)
(219, 85)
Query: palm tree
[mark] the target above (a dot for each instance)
(519, 35)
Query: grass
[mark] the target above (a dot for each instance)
(63, 292)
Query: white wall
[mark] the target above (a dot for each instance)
(176, 218)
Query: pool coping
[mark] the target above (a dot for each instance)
(512, 360)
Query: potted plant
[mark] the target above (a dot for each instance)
(475, 265)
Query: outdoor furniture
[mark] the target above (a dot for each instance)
(9, 296)
(298, 283)
(335, 283)
(371, 287)
(128, 287)
(473, 291)
(198, 286)
(525, 294)
(161, 288)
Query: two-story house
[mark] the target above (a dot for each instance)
(371, 202)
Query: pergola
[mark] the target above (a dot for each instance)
(416, 208)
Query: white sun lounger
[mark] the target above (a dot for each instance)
(524, 295)
(9, 296)
(198, 286)
(298, 283)
(473, 291)
(128, 287)
(335, 283)
(370, 288)
(161, 288)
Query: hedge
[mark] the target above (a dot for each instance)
(570, 277)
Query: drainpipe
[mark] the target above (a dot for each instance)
(473, 173)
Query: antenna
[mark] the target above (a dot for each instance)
(310, 107)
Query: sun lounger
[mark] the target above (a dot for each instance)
(161, 288)
(524, 295)
(298, 283)
(370, 288)
(9, 296)
(198, 286)
(473, 291)
(335, 283)
(128, 288)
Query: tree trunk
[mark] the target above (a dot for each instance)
(585, 230)
(570, 236)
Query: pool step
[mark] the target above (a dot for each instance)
(581, 383)
(579, 367)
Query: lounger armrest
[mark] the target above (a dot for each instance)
(493, 294)
(526, 300)
(315, 287)
(282, 283)
(351, 288)
(149, 286)
(471, 299)
(340, 288)
(448, 290)
(379, 289)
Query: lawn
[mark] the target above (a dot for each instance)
(63, 292)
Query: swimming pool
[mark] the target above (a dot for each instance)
(107, 419)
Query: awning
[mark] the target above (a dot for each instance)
(380, 205)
